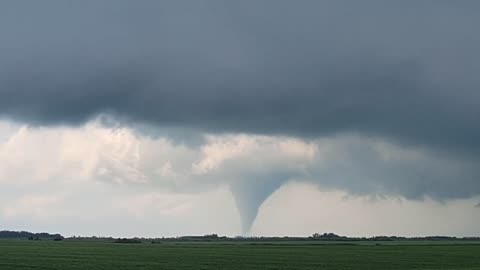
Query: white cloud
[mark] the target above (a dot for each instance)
(147, 177)
(234, 155)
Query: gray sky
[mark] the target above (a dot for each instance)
(182, 98)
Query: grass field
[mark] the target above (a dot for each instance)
(22, 254)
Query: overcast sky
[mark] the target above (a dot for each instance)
(155, 118)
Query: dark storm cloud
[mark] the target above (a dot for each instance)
(405, 71)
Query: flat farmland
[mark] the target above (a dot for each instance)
(74, 254)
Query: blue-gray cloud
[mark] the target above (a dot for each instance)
(403, 70)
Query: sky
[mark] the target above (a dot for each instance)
(165, 118)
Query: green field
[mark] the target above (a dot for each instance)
(70, 254)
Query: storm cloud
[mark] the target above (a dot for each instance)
(403, 70)
(371, 79)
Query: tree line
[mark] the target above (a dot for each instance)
(30, 235)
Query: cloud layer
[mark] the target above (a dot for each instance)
(406, 71)
(251, 167)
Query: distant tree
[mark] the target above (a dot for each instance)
(128, 241)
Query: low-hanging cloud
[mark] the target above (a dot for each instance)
(406, 70)
(251, 166)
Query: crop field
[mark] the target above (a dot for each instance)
(74, 254)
